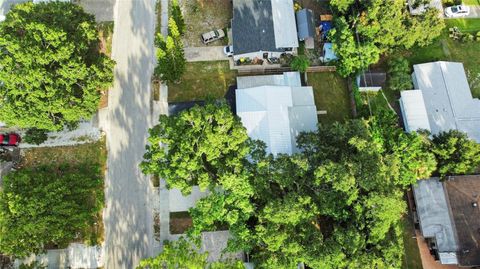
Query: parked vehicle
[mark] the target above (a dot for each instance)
(228, 50)
(212, 36)
(457, 11)
(10, 139)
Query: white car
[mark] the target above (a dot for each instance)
(213, 36)
(457, 11)
(228, 50)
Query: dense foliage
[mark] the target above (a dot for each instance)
(399, 78)
(456, 153)
(176, 14)
(170, 55)
(35, 136)
(44, 205)
(366, 29)
(180, 254)
(52, 69)
(300, 63)
(344, 192)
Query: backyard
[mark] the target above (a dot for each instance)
(331, 94)
(411, 259)
(445, 48)
(202, 80)
(204, 16)
(76, 157)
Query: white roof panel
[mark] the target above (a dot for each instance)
(284, 24)
(414, 112)
(276, 114)
(448, 99)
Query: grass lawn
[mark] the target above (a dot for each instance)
(331, 94)
(412, 259)
(75, 156)
(203, 16)
(448, 49)
(471, 2)
(202, 80)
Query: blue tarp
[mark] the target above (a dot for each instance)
(325, 26)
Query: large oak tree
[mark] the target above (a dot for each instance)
(51, 70)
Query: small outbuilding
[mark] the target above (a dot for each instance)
(306, 27)
(371, 81)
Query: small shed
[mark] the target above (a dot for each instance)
(305, 24)
(328, 53)
(371, 81)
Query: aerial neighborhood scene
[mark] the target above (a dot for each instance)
(240, 134)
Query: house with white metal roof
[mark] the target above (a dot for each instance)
(443, 94)
(263, 28)
(276, 109)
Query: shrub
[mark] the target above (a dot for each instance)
(300, 63)
(35, 136)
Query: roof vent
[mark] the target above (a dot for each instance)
(474, 204)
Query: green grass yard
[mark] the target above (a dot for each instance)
(471, 2)
(411, 259)
(448, 49)
(202, 80)
(331, 94)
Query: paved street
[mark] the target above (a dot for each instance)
(128, 215)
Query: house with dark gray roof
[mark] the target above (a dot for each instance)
(263, 28)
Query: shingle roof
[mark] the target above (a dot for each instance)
(252, 26)
(263, 25)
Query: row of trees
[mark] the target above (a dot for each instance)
(52, 70)
(337, 204)
(170, 55)
(364, 30)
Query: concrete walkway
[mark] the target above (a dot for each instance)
(474, 12)
(128, 214)
(210, 53)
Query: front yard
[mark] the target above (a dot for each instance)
(202, 80)
(203, 16)
(331, 94)
(76, 158)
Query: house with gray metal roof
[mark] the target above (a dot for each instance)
(448, 215)
(263, 28)
(447, 100)
(276, 109)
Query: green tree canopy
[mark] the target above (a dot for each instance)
(40, 206)
(456, 153)
(364, 30)
(181, 254)
(170, 55)
(177, 15)
(343, 192)
(399, 78)
(52, 70)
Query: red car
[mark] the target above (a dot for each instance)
(11, 139)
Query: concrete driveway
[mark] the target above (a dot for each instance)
(128, 213)
(474, 12)
(210, 53)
